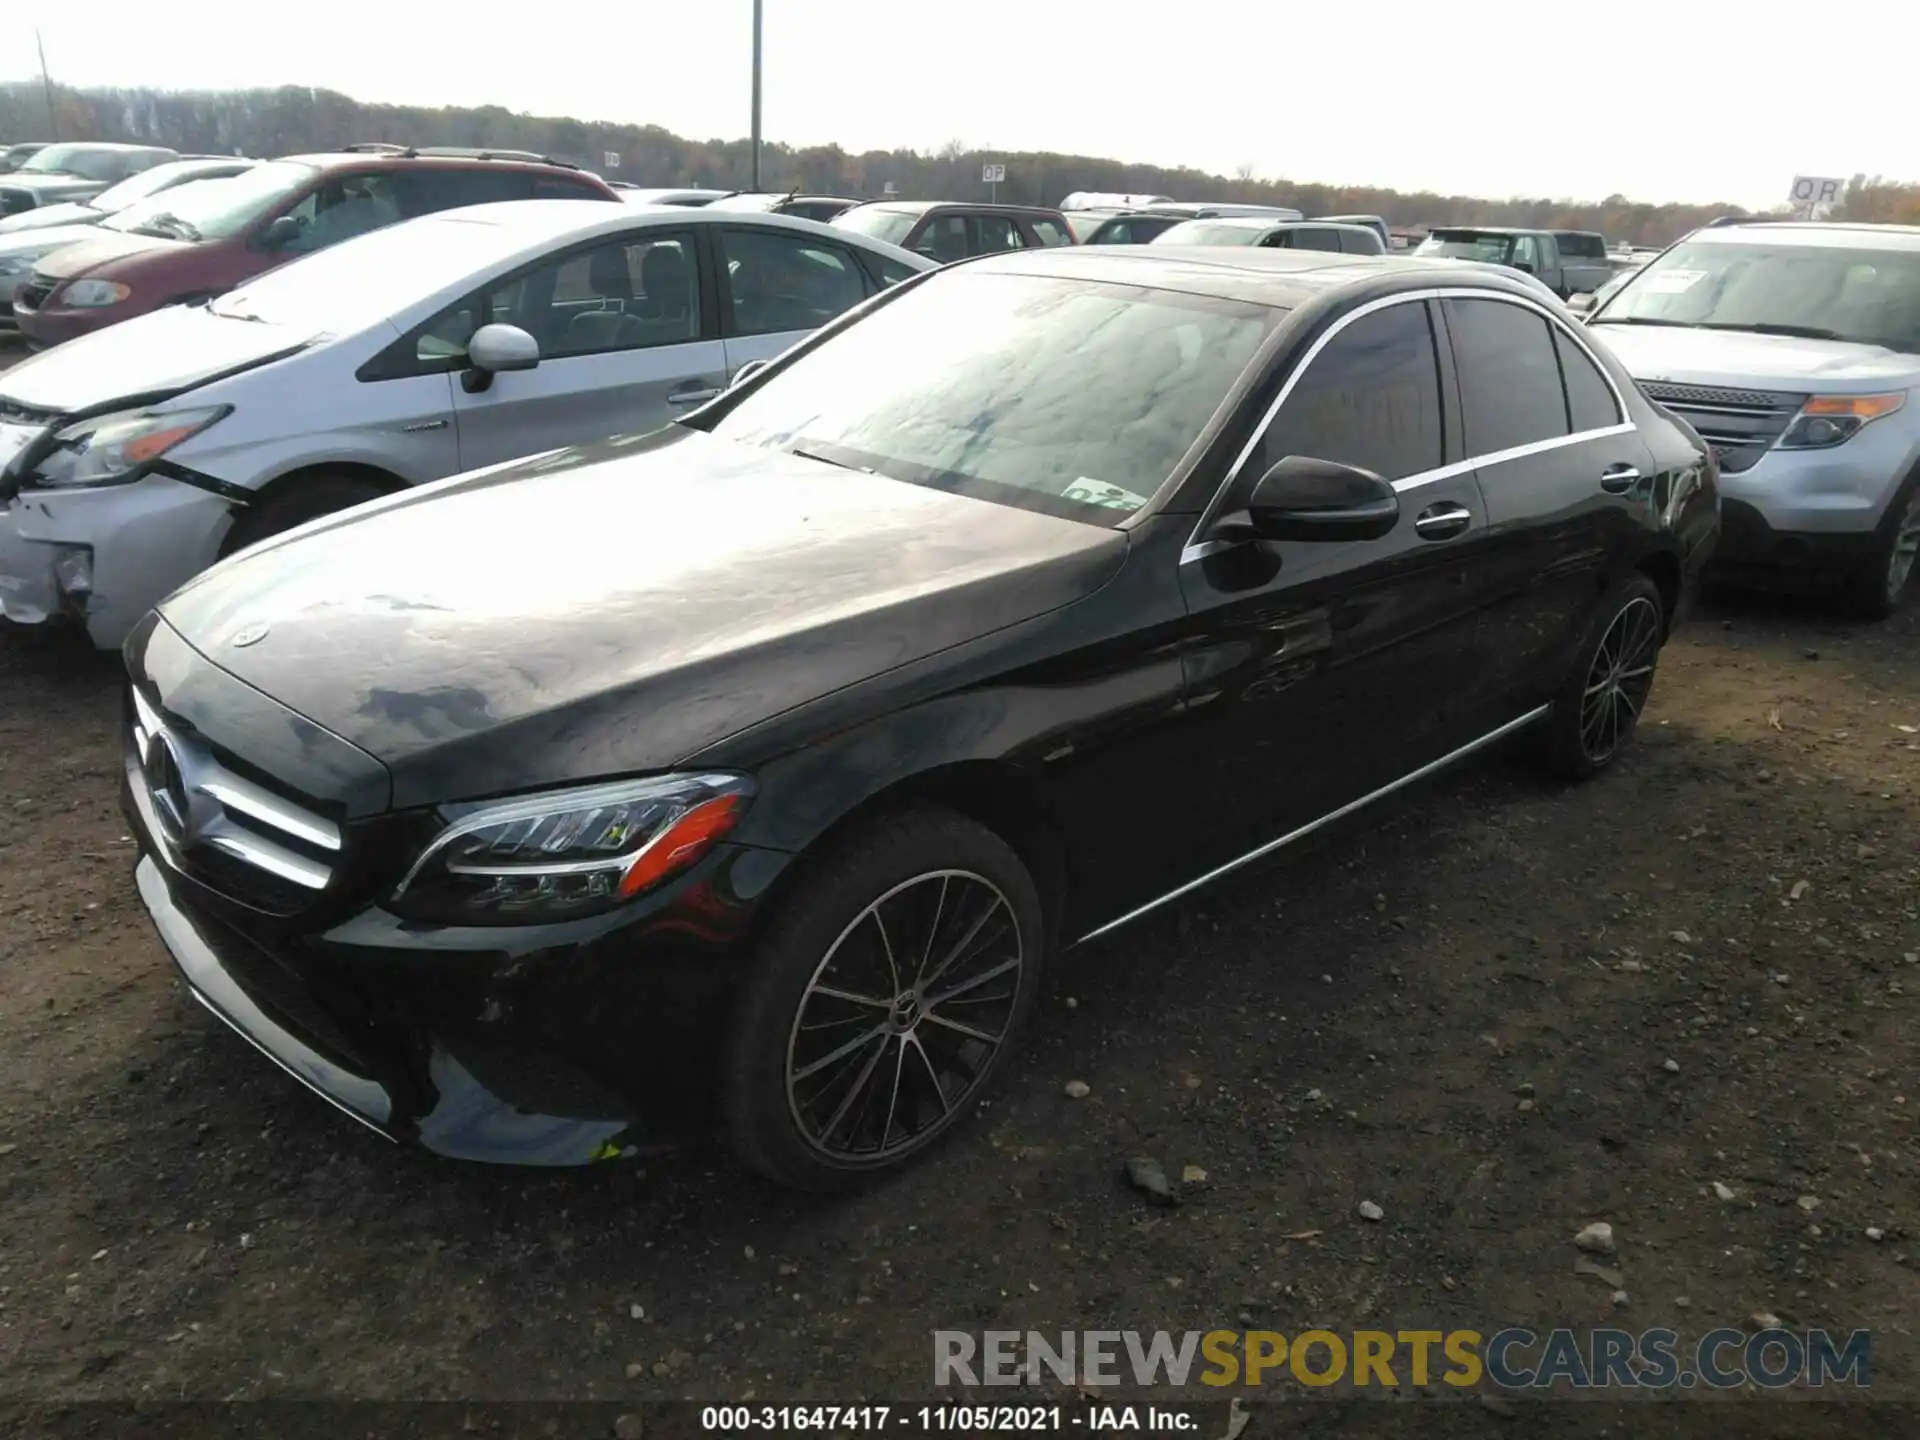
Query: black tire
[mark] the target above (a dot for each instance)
(1887, 577)
(943, 873)
(298, 501)
(1589, 726)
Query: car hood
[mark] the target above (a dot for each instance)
(147, 358)
(618, 608)
(40, 241)
(1770, 362)
(104, 247)
(50, 188)
(43, 217)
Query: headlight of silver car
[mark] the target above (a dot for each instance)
(568, 853)
(112, 449)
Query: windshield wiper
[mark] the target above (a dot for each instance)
(1797, 332)
(168, 226)
(1637, 320)
(805, 454)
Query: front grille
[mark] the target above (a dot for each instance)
(238, 838)
(1740, 425)
(16, 201)
(33, 294)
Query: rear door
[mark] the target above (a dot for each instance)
(1563, 472)
(1334, 669)
(993, 235)
(628, 335)
(776, 287)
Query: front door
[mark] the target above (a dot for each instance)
(1333, 669)
(1565, 475)
(626, 345)
(777, 287)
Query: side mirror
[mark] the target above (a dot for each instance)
(494, 349)
(746, 372)
(1303, 498)
(1580, 304)
(1525, 266)
(280, 233)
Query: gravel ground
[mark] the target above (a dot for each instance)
(1495, 1009)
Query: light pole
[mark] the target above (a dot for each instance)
(756, 95)
(53, 116)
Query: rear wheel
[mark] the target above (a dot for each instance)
(1888, 575)
(1606, 688)
(883, 1001)
(297, 502)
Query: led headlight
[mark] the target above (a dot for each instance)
(109, 449)
(1829, 420)
(568, 853)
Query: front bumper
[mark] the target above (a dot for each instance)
(1838, 492)
(53, 324)
(1752, 548)
(104, 557)
(556, 1045)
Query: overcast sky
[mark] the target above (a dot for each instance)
(1674, 100)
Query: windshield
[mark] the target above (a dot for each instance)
(362, 281)
(878, 221)
(1069, 397)
(1833, 292)
(1209, 232)
(86, 161)
(138, 187)
(747, 202)
(220, 210)
(1468, 245)
(143, 212)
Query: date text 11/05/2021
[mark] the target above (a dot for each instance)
(1513, 1358)
(950, 1418)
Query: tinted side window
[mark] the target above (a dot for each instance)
(943, 239)
(1371, 398)
(622, 295)
(786, 282)
(886, 272)
(1051, 231)
(1590, 402)
(1509, 376)
(994, 233)
(1119, 232)
(1360, 242)
(423, 191)
(1311, 239)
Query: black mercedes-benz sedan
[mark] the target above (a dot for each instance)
(739, 778)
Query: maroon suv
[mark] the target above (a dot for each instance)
(222, 232)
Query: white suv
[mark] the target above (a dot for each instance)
(133, 458)
(1794, 349)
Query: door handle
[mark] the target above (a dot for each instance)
(1442, 521)
(693, 397)
(1619, 479)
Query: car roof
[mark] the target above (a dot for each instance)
(1283, 279)
(984, 207)
(357, 159)
(530, 223)
(1839, 234)
(1263, 223)
(115, 145)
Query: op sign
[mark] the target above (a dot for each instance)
(993, 174)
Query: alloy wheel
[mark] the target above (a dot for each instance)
(1619, 679)
(1906, 547)
(902, 1019)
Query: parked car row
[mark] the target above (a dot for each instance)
(741, 778)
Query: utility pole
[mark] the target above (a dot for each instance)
(53, 118)
(756, 95)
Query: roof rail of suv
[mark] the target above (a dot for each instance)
(453, 152)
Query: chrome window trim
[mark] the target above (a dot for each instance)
(1538, 713)
(1196, 549)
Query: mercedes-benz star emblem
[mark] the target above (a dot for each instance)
(252, 635)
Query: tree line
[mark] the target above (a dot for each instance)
(295, 119)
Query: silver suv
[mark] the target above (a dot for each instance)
(1794, 349)
(133, 458)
